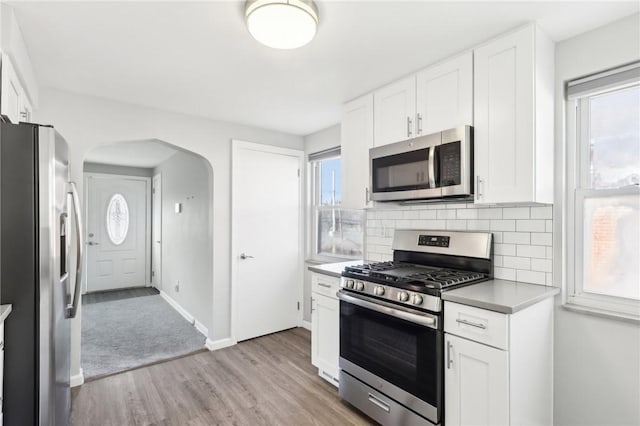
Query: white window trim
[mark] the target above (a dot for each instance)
(315, 207)
(576, 182)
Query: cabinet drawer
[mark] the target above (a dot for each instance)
(325, 284)
(480, 325)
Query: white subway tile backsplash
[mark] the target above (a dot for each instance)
(544, 265)
(531, 277)
(467, 214)
(541, 212)
(504, 273)
(531, 251)
(517, 237)
(541, 238)
(411, 214)
(428, 214)
(532, 225)
(458, 225)
(516, 262)
(446, 214)
(503, 225)
(505, 249)
(515, 213)
(478, 225)
(522, 235)
(495, 213)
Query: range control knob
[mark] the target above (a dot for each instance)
(379, 290)
(359, 286)
(349, 284)
(417, 299)
(403, 296)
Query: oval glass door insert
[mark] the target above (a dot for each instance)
(117, 219)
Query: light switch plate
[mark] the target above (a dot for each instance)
(178, 207)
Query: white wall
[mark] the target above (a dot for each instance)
(597, 360)
(315, 142)
(87, 122)
(187, 237)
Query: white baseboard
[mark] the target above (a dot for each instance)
(78, 379)
(219, 344)
(306, 324)
(177, 307)
(200, 327)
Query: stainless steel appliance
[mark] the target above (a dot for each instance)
(35, 199)
(391, 323)
(433, 166)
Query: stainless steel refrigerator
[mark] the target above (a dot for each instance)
(37, 203)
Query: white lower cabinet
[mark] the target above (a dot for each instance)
(498, 367)
(476, 383)
(325, 326)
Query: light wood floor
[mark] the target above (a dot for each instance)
(264, 381)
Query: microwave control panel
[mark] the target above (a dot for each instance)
(433, 241)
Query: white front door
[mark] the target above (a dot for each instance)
(156, 232)
(116, 232)
(267, 255)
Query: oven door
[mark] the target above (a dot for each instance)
(404, 170)
(454, 162)
(394, 350)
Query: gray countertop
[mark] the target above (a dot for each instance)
(502, 296)
(5, 310)
(333, 269)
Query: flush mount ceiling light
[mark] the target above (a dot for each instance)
(282, 24)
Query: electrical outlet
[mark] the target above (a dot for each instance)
(177, 287)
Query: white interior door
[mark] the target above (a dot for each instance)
(267, 246)
(116, 232)
(156, 232)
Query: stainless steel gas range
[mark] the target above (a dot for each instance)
(391, 323)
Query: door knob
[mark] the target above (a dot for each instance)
(245, 256)
(92, 243)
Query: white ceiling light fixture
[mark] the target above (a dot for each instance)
(282, 24)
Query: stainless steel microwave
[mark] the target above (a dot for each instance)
(433, 166)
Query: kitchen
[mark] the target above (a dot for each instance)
(531, 237)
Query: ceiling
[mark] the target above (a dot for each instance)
(198, 57)
(145, 154)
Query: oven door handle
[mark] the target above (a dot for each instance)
(390, 309)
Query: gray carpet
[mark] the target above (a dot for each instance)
(123, 334)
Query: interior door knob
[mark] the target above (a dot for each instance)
(92, 243)
(245, 256)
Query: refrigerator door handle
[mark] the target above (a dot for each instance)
(72, 308)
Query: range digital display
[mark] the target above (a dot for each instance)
(433, 241)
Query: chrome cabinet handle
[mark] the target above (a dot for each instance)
(449, 359)
(312, 299)
(379, 403)
(418, 124)
(478, 182)
(72, 308)
(245, 256)
(472, 324)
(409, 127)
(324, 285)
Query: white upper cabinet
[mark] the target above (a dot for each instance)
(11, 95)
(444, 96)
(356, 135)
(394, 112)
(513, 118)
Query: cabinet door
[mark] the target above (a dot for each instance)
(10, 101)
(445, 95)
(394, 112)
(504, 118)
(356, 140)
(476, 383)
(325, 334)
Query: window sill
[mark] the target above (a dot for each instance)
(633, 319)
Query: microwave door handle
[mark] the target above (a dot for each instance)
(432, 167)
